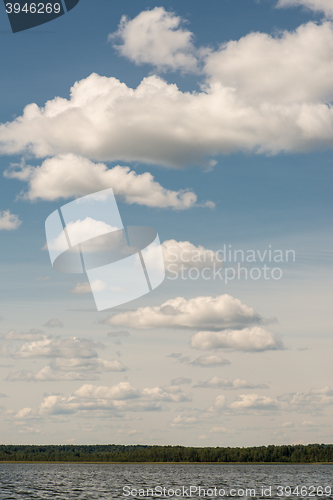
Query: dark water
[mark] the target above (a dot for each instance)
(94, 481)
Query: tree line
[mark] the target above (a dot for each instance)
(312, 453)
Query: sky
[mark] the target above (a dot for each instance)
(212, 123)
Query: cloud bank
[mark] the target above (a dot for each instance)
(118, 398)
(261, 93)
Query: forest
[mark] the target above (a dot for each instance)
(312, 453)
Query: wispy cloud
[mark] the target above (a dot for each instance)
(218, 382)
(54, 323)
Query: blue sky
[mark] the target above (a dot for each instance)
(250, 133)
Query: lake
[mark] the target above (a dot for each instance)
(110, 481)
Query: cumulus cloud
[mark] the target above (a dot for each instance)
(200, 312)
(183, 421)
(308, 401)
(69, 175)
(9, 221)
(210, 361)
(156, 37)
(283, 70)
(24, 413)
(324, 6)
(261, 93)
(70, 358)
(118, 398)
(54, 323)
(57, 347)
(219, 403)
(218, 382)
(255, 339)
(254, 402)
(171, 393)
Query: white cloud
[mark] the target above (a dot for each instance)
(280, 72)
(68, 369)
(32, 334)
(84, 364)
(254, 402)
(28, 430)
(221, 430)
(121, 391)
(56, 347)
(308, 423)
(219, 403)
(210, 361)
(181, 381)
(171, 393)
(47, 374)
(81, 288)
(262, 94)
(54, 323)
(9, 221)
(200, 312)
(24, 413)
(81, 231)
(255, 339)
(184, 253)
(69, 175)
(324, 6)
(218, 382)
(288, 425)
(183, 421)
(156, 37)
(119, 398)
(129, 432)
(307, 401)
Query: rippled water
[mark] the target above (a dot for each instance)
(107, 481)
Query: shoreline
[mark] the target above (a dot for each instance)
(158, 463)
